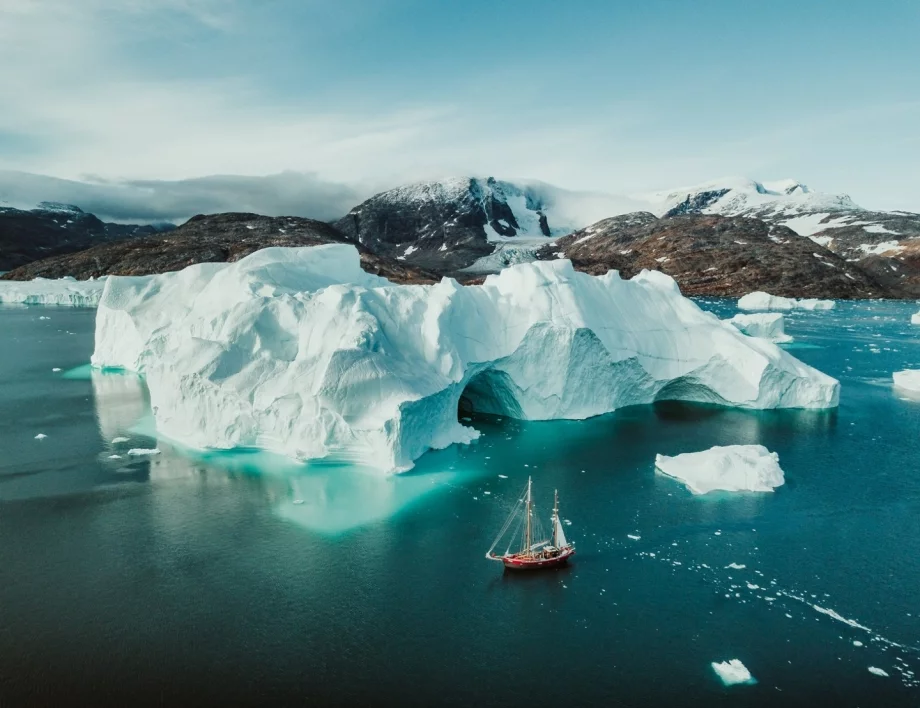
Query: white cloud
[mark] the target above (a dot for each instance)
(81, 98)
(284, 194)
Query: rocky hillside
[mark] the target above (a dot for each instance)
(51, 229)
(883, 244)
(465, 222)
(208, 239)
(715, 255)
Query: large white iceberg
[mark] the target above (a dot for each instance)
(44, 291)
(766, 325)
(300, 352)
(764, 301)
(908, 379)
(915, 318)
(732, 468)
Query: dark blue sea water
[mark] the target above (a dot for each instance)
(244, 579)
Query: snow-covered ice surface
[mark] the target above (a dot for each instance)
(760, 300)
(300, 352)
(909, 380)
(731, 468)
(767, 325)
(43, 291)
(733, 672)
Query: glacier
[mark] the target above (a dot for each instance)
(300, 352)
(767, 325)
(765, 301)
(66, 291)
(730, 468)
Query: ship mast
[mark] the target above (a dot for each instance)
(527, 531)
(555, 516)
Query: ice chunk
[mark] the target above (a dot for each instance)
(114, 457)
(55, 369)
(40, 436)
(766, 325)
(731, 468)
(137, 451)
(908, 379)
(119, 439)
(733, 672)
(300, 352)
(915, 318)
(736, 566)
(877, 671)
(764, 301)
(42, 291)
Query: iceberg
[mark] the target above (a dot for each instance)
(909, 380)
(43, 291)
(764, 301)
(300, 352)
(915, 318)
(733, 468)
(766, 325)
(733, 672)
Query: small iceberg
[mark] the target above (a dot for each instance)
(878, 672)
(915, 318)
(732, 468)
(137, 451)
(733, 672)
(40, 436)
(909, 380)
(765, 301)
(765, 325)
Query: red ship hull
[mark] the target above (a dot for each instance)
(525, 563)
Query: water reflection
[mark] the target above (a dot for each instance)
(326, 498)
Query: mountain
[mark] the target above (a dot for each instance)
(710, 254)
(473, 223)
(215, 238)
(51, 229)
(884, 244)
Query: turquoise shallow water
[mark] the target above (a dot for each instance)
(243, 578)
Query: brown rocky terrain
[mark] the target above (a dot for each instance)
(715, 255)
(214, 238)
(51, 229)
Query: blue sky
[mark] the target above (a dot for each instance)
(614, 96)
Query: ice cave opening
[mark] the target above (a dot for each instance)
(490, 391)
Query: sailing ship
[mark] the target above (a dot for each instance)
(532, 554)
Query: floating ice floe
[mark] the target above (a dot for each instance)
(908, 379)
(877, 671)
(915, 318)
(733, 672)
(40, 436)
(766, 325)
(119, 439)
(43, 291)
(301, 352)
(138, 451)
(764, 301)
(732, 468)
